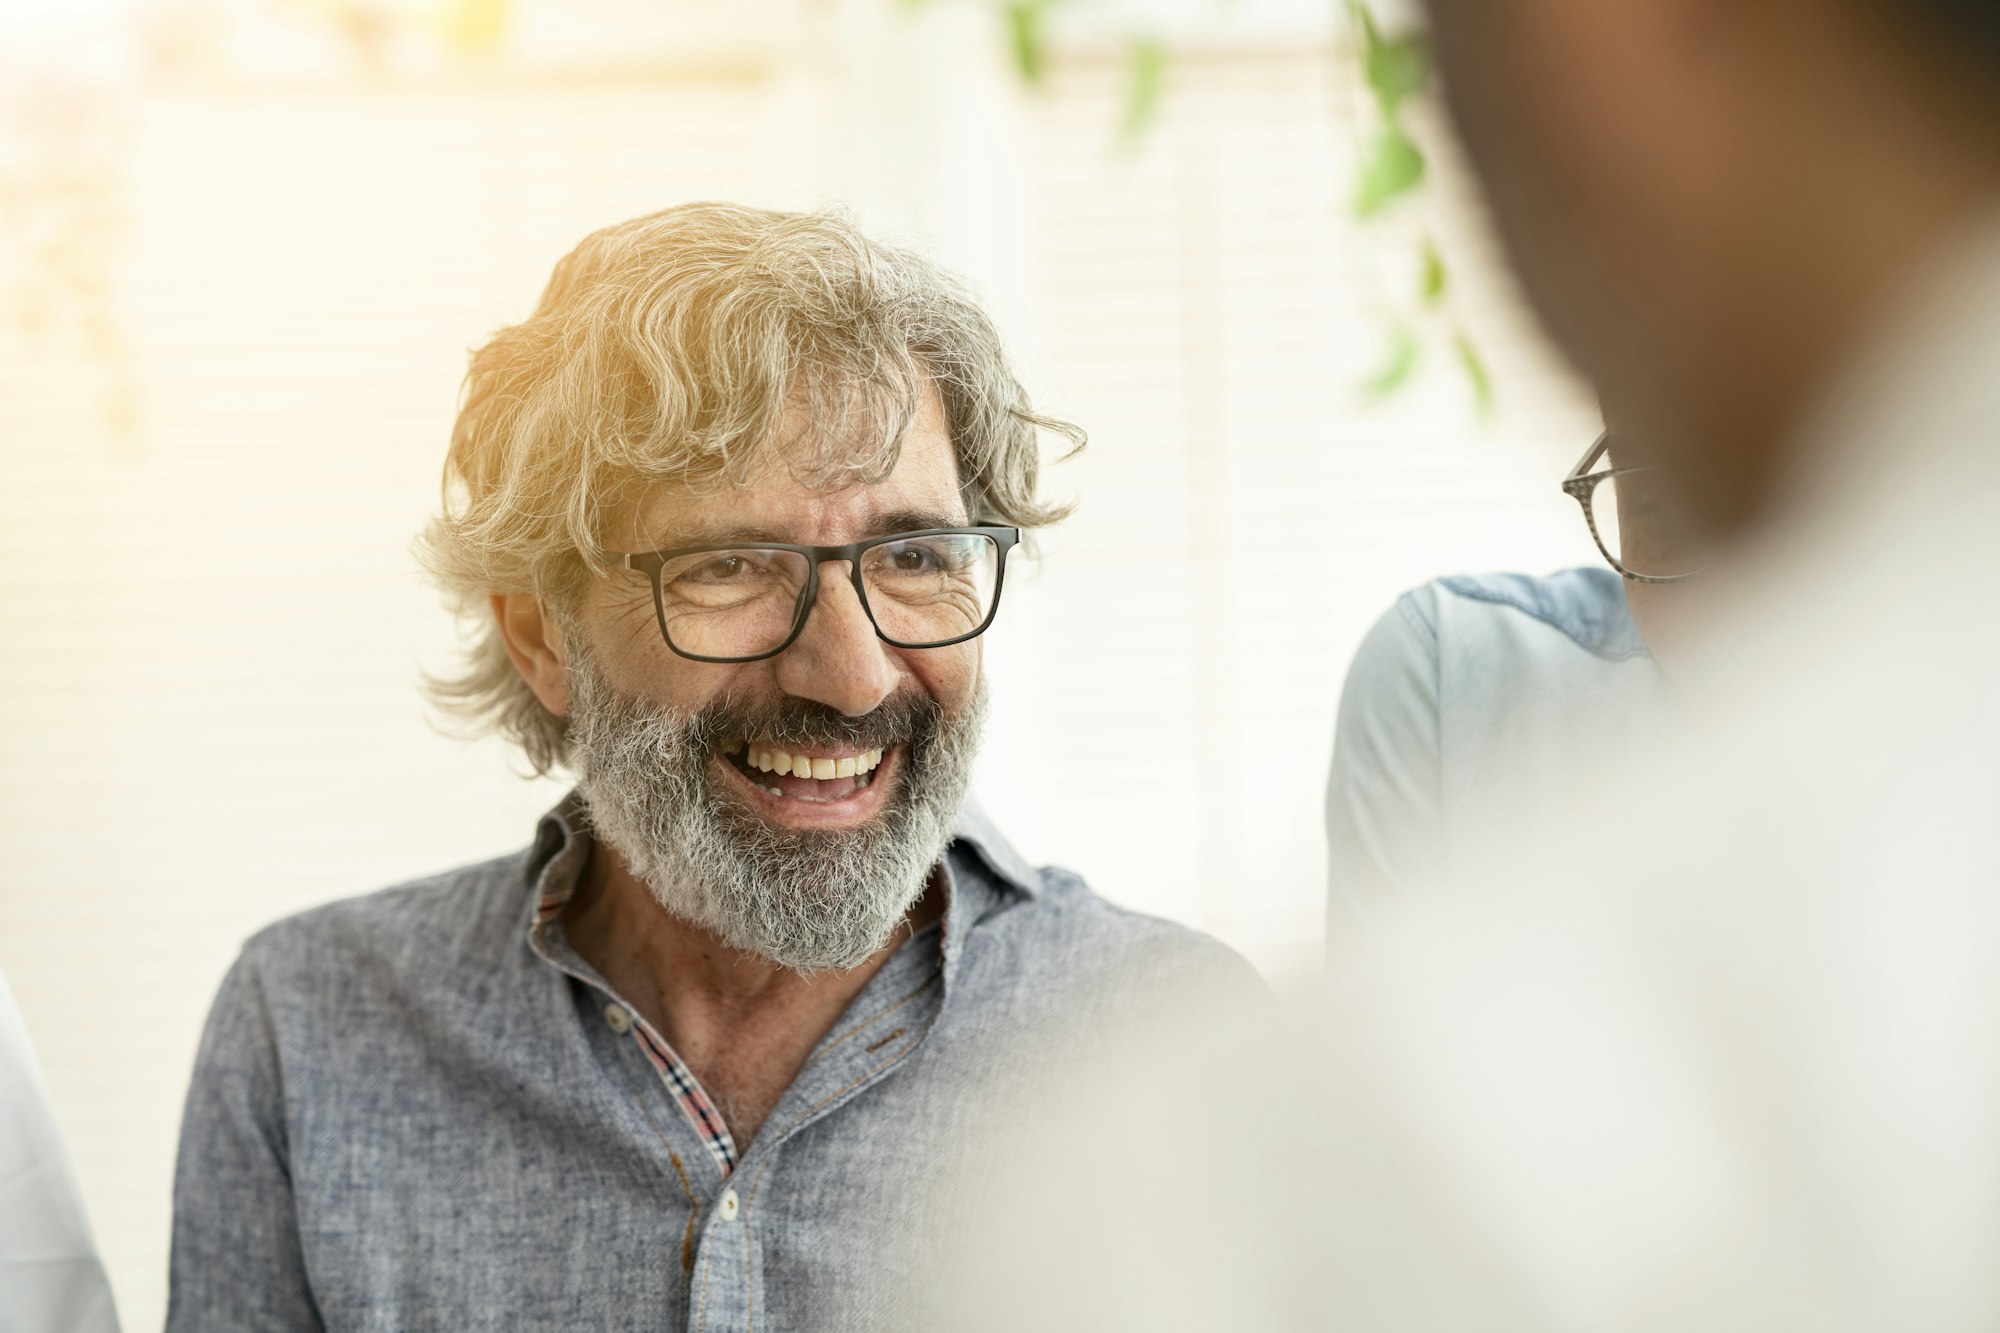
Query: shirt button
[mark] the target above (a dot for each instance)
(728, 1206)
(619, 1019)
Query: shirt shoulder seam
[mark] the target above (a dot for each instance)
(1478, 592)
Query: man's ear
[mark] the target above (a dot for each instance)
(534, 642)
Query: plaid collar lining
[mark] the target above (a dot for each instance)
(558, 879)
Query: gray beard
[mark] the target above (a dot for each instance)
(809, 899)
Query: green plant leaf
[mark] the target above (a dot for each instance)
(1148, 80)
(1404, 354)
(1435, 280)
(1364, 18)
(1476, 373)
(1027, 36)
(1395, 166)
(1397, 68)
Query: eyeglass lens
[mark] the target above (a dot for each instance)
(1634, 526)
(742, 602)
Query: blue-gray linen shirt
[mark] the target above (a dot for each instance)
(420, 1109)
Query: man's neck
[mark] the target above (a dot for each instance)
(742, 1023)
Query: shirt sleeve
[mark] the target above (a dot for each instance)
(1385, 796)
(237, 1262)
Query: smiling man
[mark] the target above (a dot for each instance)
(726, 516)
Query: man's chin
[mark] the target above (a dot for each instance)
(809, 963)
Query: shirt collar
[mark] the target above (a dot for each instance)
(556, 861)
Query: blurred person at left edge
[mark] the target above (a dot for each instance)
(51, 1280)
(727, 516)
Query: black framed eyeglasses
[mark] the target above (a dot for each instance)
(1613, 496)
(746, 601)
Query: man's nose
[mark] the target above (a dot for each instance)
(837, 659)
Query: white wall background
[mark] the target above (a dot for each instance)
(211, 628)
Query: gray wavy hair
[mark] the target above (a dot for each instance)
(664, 352)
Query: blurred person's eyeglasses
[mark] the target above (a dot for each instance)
(1629, 518)
(747, 601)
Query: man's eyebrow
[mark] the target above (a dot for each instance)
(741, 535)
(881, 525)
(913, 520)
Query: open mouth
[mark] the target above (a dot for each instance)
(817, 778)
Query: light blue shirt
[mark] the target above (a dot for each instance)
(1476, 702)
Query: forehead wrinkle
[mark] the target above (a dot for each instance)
(821, 461)
(808, 459)
(843, 430)
(677, 518)
(800, 456)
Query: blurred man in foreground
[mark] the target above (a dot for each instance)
(727, 515)
(1719, 1049)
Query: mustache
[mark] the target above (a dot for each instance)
(803, 724)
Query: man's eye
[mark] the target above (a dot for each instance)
(722, 568)
(913, 560)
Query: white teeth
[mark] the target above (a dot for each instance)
(784, 764)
